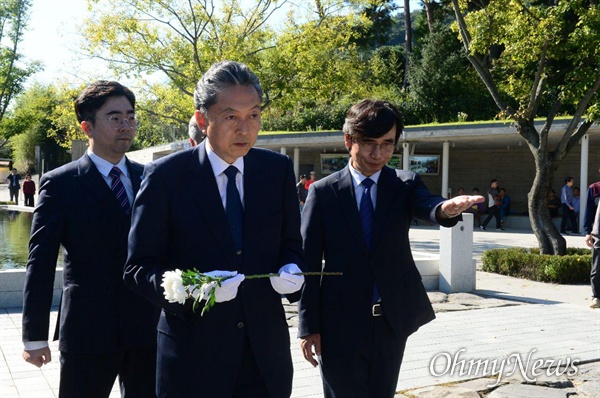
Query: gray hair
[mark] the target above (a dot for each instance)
(219, 77)
(194, 131)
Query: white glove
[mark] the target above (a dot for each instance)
(229, 287)
(287, 282)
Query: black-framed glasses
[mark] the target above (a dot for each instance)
(370, 146)
(116, 121)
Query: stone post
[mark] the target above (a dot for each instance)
(457, 268)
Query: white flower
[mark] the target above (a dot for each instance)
(173, 285)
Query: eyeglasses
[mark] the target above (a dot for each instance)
(370, 146)
(116, 121)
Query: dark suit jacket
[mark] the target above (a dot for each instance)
(339, 307)
(187, 228)
(98, 314)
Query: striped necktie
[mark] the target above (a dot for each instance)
(119, 190)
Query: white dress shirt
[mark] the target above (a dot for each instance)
(104, 167)
(219, 166)
(359, 189)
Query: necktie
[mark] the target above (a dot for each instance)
(234, 209)
(366, 217)
(366, 211)
(119, 190)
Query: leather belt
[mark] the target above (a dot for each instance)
(377, 310)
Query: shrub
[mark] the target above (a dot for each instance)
(574, 267)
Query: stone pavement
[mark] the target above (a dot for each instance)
(507, 321)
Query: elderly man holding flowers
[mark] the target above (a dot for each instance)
(205, 221)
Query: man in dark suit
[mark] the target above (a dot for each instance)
(104, 329)
(223, 206)
(357, 220)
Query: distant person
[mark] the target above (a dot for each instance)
(355, 326)
(104, 330)
(477, 209)
(493, 200)
(568, 209)
(194, 132)
(504, 205)
(577, 205)
(14, 185)
(28, 190)
(460, 192)
(553, 204)
(301, 191)
(313, 178)
(591, 228)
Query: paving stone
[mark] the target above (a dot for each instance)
(527, 391)
(448, 307)
(591, 389)
(464, 297)
(443, 392)
(553, 381)
(437, 297)
(480, 385)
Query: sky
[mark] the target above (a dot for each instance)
(53, 38)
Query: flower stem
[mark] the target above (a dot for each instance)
(256, 276)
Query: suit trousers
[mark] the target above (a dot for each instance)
(370, 369)
(568, 214)
(595, 272)
(250, 383)
(93, 375)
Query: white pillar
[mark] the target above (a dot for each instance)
(445, 158)
(405, 155)
(283, 151)
(583, 181)
(297, 163)
(457, 266)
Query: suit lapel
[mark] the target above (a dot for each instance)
(94, 183)
(135, 175)
(344, 188)
(206, 194)
(254, 185)
(387, 189)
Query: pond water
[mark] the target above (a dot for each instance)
(15, 227)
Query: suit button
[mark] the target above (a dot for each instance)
(240, 325)
(238, 253)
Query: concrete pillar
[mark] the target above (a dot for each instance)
(445, 161)
(405, 155)
(297, 163)
(457, 267)
(583, 180)
(283, 151)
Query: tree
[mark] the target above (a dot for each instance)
(169, 44)
(13, 71)
(533, 52)
(441, 80)
(30, 123)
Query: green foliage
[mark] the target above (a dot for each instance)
(440, 79)
(13, 69)
(518, 262)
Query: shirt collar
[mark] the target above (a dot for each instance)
(104, 166)
(219, 165)
(357, 177)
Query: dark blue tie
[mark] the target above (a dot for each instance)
(234, 209)
(119, 190)
(366, 217)
(366, 211)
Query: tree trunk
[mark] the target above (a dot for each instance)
(407, 41)
(548, 236)
(429, 4)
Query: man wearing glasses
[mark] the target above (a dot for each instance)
(357, 220)
(104, 329)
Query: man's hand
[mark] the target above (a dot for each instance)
(456, 205)
(229, 287)
(307, 344)
(287, 282)
(38, 357)
(589, 241)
